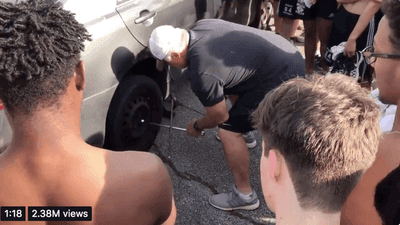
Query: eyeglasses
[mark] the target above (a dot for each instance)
(370, 56)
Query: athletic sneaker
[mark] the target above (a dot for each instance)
(233, 200)
(248, 138)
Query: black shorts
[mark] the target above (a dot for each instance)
(240, 114)
(295, 9)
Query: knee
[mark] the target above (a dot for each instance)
(225, 133)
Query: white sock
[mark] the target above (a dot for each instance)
(243, 196)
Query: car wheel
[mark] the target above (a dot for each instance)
(136, 103)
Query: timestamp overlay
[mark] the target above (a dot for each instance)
(13, 213)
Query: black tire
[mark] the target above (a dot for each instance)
(137, 98)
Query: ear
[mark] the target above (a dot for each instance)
(80, 76)
(274, 165)
(175, 56)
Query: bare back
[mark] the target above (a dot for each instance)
(121, 187)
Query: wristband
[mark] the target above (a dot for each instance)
(196, 127)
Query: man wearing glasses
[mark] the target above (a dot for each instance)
(384, 56)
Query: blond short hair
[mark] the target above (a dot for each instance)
(327, 129)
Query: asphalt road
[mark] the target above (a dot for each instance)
(199, 169)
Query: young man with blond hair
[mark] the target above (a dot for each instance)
(320, 134)
(48, 163)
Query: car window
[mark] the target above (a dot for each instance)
(89, 10)
(134, 2)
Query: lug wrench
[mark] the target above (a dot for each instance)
(172, 127)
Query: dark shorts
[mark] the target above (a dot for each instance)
(295, 9)
(240, 114)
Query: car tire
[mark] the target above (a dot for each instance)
(137, 98)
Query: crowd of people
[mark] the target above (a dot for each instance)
(325, 159)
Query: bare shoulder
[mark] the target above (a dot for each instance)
(137, 188)
(359, 207)
(137, 168)
(134, 160)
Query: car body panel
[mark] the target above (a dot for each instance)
(184, 12)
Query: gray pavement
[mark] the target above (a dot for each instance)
(199, 169)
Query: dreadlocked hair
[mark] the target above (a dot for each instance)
(40, 45)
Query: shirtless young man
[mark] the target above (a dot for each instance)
(359, 207)
(48, 163)
(320, 134)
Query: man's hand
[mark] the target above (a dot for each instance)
(191, 131)
(350, 48)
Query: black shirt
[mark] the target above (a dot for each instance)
(227, 58)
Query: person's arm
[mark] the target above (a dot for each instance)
(216, 115)
(347, 1)
(209, 89)
(372, 7)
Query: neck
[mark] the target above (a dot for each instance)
(46, 131)
(300, 217)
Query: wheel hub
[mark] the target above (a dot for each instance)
(136, 112)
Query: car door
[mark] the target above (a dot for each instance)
(142, 16)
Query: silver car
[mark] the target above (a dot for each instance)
(125, 85)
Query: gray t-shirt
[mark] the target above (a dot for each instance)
(227, 58)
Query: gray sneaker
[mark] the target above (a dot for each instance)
(232, 200)
(248, 138)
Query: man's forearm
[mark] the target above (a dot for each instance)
(372, 7)
(211, 121)
(347, 1)
(215, 115)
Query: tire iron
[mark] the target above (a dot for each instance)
(175, 128)
(172, 127)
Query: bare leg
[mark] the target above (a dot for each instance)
(277, 19)
(324, 30)
(310, 44)
(237, 156)
(294, 27)
(287, 27)
(221, 10)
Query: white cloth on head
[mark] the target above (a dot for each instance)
(163, 39)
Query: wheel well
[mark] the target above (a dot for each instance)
(148, 68)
